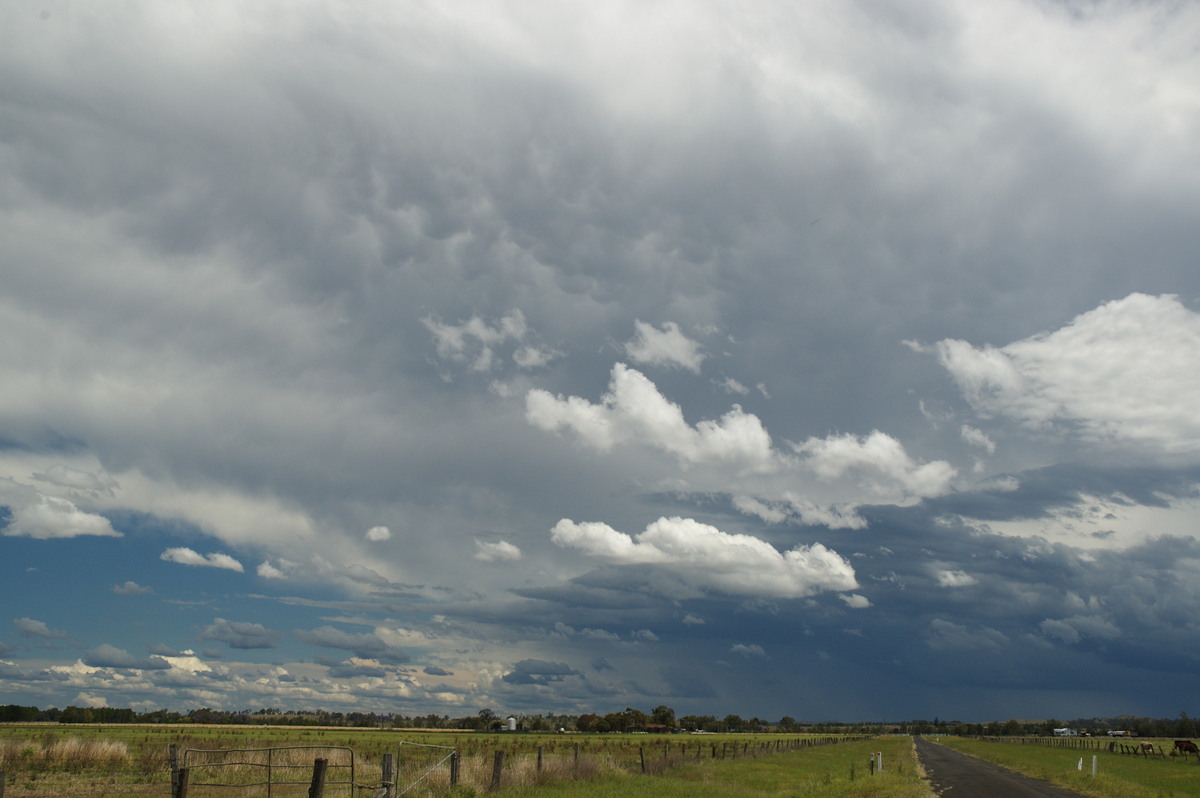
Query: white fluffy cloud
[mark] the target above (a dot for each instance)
(665, 347)
(500, 551)
(879, 461)
(634, 410)
(186, 556)
(34, 514)
(1125, 375)
(709, 559)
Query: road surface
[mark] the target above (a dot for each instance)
(956, 775)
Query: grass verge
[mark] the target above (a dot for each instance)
(1117, 776)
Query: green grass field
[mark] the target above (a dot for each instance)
(85, 761)
(1117, 776)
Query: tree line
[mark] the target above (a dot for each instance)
(660, 719)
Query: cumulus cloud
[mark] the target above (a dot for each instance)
(978, 439)
(634, 410)
(367, 645)
(708, 559)
(33, 514)
(855, 601)
(186, 556)
(379, 533)
(131, 588)
(1124, 375)
(268, 571)
(955, 579)
(107, 656)
(238, 634)
(29, 627)
(500, 551)
(665, 347)
(879, 461)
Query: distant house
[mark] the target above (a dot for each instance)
(1065, 733)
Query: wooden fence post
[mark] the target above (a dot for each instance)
(497, 767)
(540, 752)
(181, 784)
(317, 788)
(174, 755)
(389, 777)
(454, 769)
(642, 757)
(576, 765)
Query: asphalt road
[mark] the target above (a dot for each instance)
(957, 775)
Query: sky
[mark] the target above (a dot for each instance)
(831, 360)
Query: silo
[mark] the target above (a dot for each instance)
(512, 724)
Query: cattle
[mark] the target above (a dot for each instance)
(1148, 748)
(1186, 747)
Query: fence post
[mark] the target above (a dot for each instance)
(317, 788)
(642, 757)
(454, 769)
(497, 767)
(389, 778)
(174, 755)
(575, 771)
(181, 784)
(540, 751)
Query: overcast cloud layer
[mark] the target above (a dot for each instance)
(829, 360)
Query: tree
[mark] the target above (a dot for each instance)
(663, 716)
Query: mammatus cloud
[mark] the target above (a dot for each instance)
(33, 514)
(634, 410)
(665, 347)
(186, 556)
(474, 342)
(500, 551)
(1123, 376)
(708, 559)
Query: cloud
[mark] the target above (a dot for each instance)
(666, 347)
(633, 410)
(241, 635)
(747, 651)
(955, 579)
(29, 627)
(946, 635)
(89, 482)
(473, 342)
(539, 672)
(35, 515)
(500, 551)
(708, 559)
(880, 462)
(855, 602)
(1075, 628)
(366, 646)
(379, 533)
(1120, 377)
(131, 588)
(186, 556)
(107, 656)
(978, 439)
(268, 571)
